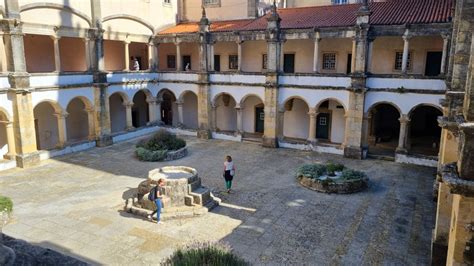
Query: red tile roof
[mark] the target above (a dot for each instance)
(391, 12)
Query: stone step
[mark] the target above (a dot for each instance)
(381, 157)
(252, 140)
(200, 196)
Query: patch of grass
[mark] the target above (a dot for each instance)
(349, 174)
(204, 254)
(6, 204)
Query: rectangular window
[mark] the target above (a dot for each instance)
(212, 3)
(329, 61)
(171, 61)
(264, 61)
(339, 2)
(399, 60)
(167, 2)
(233, 62)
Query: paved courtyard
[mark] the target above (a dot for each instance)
(74, 203)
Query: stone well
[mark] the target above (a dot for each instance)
(184, 195)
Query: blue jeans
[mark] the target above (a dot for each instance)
(159, 205)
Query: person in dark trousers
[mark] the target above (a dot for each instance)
(229, 172)
(156, 195)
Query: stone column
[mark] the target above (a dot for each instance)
(461, 236)
(90, 120)
(402, 138)
(214, 117)
(158, 110)
(443, 222)
(128, 116)
(466, 151)
(152, 55)
(445, 53)
(239, 55)
(3, 57)
(180, 113)
(62, 129)
(57, 56)
(152, 111)
(365, 130)
(354, 57)
(354, 123)
(312, 125)
(157, 57)
(126, 56)
(211, 56)
(282, 56)
(87, 53)
(370, 54)
(406, 47)
(178, 57)
(11, 141)
(240, 128)
(317, 39)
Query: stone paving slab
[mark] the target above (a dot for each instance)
(74, 204)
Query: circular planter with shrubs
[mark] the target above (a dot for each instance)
(331, 178)
(203, 253)
(163, 146)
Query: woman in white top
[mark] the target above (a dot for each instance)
(229, 172)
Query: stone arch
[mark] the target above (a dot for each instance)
(130, 17)
(168, 107)
(117, 109)
(330, 99)
(79, 119)
(58, 7)
(140, 113)
(424, 105)
(50, 133)
(423, 132)
(225, 114)
(383, 128)
(296, 118)
(252, 114)
(189, 112)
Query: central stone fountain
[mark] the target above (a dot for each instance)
(184, 195)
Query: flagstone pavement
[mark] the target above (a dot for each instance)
(74, 204)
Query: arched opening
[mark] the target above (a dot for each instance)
(169, 110)
(118, 115)
(296, 119)
(46, 126)
(330, 122)
(3, 135)
(190, 110)
(384, 129)
(140, 115)
(253, 115)
(77, 121)
(424, 132)
(226, 115)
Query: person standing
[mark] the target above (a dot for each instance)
(156, 195)
(229, 172)
(136, 65)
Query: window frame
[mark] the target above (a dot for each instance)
(409, 61)
(335, 62)
(217, 3)
(168, 57)
(264, 61)
(231, 63)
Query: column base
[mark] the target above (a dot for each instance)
(401, 150)
(204, 134)
(353, 152)
(104, 140)
(312, 142)
(27, 160)
(439, 253)
(269, 142)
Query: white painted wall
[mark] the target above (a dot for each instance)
(237, 92)
(51, 80)
(6, 104)
(224, 49)
(190, 110)
(3, 136)
(419, 84)
(404, 101)
(344, 82)
(226, 115)
(314, 97)
(338, 123)
(63, 96)
(296, 120)
(248, 113)
(47, 126)
(252, 52)
(117, 113)
(238, 78)
(77, 121)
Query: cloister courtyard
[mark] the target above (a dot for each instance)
(74, 204)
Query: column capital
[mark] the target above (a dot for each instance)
(126, 42)
(446, 36)
(313, 112)
(404, 119)
(61, 115)
(151, 100)
(179, 103)
(128, 104)
(407, 36)
(55, 37)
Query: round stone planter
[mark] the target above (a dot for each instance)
(170, 155)
(339, 187)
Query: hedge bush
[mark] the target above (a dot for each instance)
(204, 254)
(332, 168)
(151, 156)
(6, 204)
(349, 174)
(162, 140)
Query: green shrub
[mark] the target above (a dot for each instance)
(348, 174)
(311, 170)
(204, 254)
(151, 156)
(333, 168)
(6, 204)
(162, 140)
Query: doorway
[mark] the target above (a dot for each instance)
(186, 62)
(259, 119)
(289, 63)
(349, 64)
(217, 62)
(322, 126)
(433, 63)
